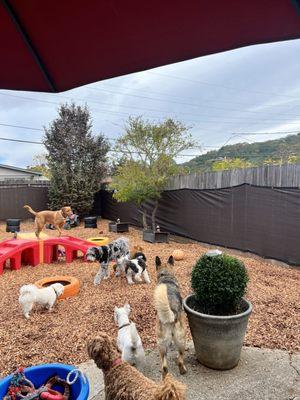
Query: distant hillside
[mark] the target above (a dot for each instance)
(272, 151)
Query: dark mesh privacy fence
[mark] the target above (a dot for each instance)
(264, 221)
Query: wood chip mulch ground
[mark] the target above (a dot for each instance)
(61, 336)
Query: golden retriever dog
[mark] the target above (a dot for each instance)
(170, 315)
(56, 218)
(124, 382)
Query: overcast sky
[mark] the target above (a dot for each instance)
(250, 90)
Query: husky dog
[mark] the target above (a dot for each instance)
(136, 267)
(129, 341)
(31, 295)
(117, 250)
(168, 304)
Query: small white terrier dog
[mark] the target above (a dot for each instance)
(129, 341)
(31, 295)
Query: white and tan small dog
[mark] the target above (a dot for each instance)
(129, 341)
(46, 297)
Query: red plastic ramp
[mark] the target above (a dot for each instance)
(21, 251)
(71, 245)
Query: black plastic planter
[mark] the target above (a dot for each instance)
(13, 225)
(155, 237)
(118, 227)
(90, 222)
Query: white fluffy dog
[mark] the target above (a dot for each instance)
(129, 341)
(46, 297)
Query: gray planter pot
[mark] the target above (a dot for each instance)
(13, 225)
(155, 237)
(90, 222)
(118, 227)
(218, 340)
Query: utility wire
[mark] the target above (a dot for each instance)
(233, 133)
(128, 152)
(20, 141)
(23, 127)
(265, 133)
(147, 91)
(111, 151)
(86, 100)
(247, 155)
(186, 104)
(221, 86)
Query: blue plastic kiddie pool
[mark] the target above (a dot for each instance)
(39, 374)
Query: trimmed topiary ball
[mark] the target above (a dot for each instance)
(219, 282)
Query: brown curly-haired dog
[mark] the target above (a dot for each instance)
(124, 382)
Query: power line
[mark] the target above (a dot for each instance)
(247, 155)
(111, 151)
(236, 134)
(23, 127)
(32, 141)
(181, 103)
(189, 104)
(167, 94)
(266, 133)
(155, 110)
(222, 86)
(21, 141)
(233, 133)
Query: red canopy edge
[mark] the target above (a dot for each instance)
(55, 46)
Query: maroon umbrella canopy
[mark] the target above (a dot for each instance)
(52, 46)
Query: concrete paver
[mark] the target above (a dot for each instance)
(261, 374)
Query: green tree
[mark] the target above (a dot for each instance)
(283, 159)
(76, 159)
(230, 163)
(293, 159)
(40, 164)
(148, 151)
(279, 151)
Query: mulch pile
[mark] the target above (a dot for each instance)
(61, 336)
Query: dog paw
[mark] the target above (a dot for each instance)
(182, 369)
(165, 371)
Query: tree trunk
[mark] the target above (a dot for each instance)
(153, 216)
(145, 226)
(143, 211)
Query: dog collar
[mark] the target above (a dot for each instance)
(55, 291)
(117, 362)
(123, 326)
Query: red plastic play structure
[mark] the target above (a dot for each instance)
(33, 252)
(19, 252)
(71, 245)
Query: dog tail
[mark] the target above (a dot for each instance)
(134, 337)
(27, 289)
(170, 389)
(162, 305)
(28, 208)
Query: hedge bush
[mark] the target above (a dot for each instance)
(219, 283)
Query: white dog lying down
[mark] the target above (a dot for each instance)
(31, 295)
(129, 341)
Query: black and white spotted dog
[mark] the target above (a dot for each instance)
(117, 250)
(136, 267)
